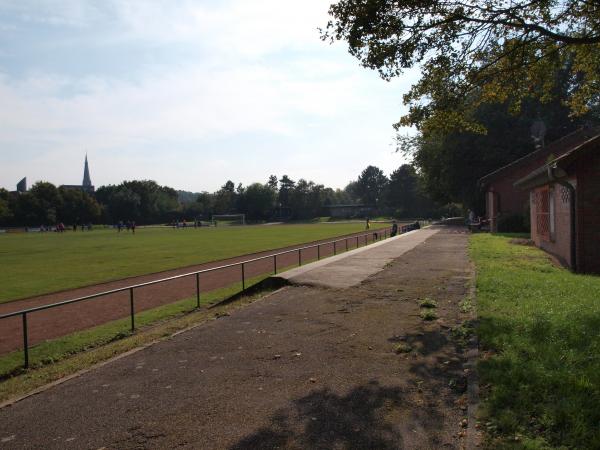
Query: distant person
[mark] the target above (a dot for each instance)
(368, 223)
(120, 225)
(75, 226)
(394, 231)
(133, 226)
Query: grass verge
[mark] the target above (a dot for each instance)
(540, 364)
(52, 360)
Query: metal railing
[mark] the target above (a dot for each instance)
(375, 234)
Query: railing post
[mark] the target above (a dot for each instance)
(275, 264)
(318, 251)
(132, 309)
(346, 240)
(356, 241)
(385, 233)
(243, 278)
(334, 248)
(197, 290)
(299, 257)
(25, 341)
(366, 239)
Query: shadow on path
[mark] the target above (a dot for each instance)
(324, 419)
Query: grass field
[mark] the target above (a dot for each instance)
(38, 263)
(540, 341)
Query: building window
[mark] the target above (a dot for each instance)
(542, 212)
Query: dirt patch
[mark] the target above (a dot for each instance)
(304, 368)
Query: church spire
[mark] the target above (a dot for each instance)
(87, 182)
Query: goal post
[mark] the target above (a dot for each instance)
(229, 219)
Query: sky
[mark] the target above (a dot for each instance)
(187, 93)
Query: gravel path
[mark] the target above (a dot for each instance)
(305, 367)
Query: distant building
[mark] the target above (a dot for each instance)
(502, 198)
(86, 185)
(22, 185)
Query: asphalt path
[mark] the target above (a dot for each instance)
(306, 367)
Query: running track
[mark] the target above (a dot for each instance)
(63, 320)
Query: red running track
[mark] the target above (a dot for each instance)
(63, 320)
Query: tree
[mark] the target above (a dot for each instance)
(259, 201)
(272, 183)
(451, 162)
(406, 196)
(45, 204)
(6, 214)
(125, 205)
(502, 51)
(351, 194)
(402, 190)
(78, 207)
(141, 200)
(286, 184)
(206, 202)
(371, 185)
(225, 199)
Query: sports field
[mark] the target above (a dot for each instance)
(38, 263)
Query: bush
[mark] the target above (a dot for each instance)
(513, 223)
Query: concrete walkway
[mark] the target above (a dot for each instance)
(304, 368)
(353, 267)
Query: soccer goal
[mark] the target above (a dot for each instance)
(228, 219)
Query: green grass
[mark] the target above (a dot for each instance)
(38, 263)
(428, 303)
(428, 314)
(403, 347)
(539, 330)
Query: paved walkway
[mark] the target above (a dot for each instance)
(306, 367)
(349, 269)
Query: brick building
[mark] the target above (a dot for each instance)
(564, 198)
(502, 198)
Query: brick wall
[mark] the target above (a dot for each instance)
(588, 212)
(509, 200)
(559, 242)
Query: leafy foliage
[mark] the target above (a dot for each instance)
(371, 185)
(504, 52)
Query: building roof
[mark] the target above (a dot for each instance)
(556, 168)
(560, 146)
(87, 182)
